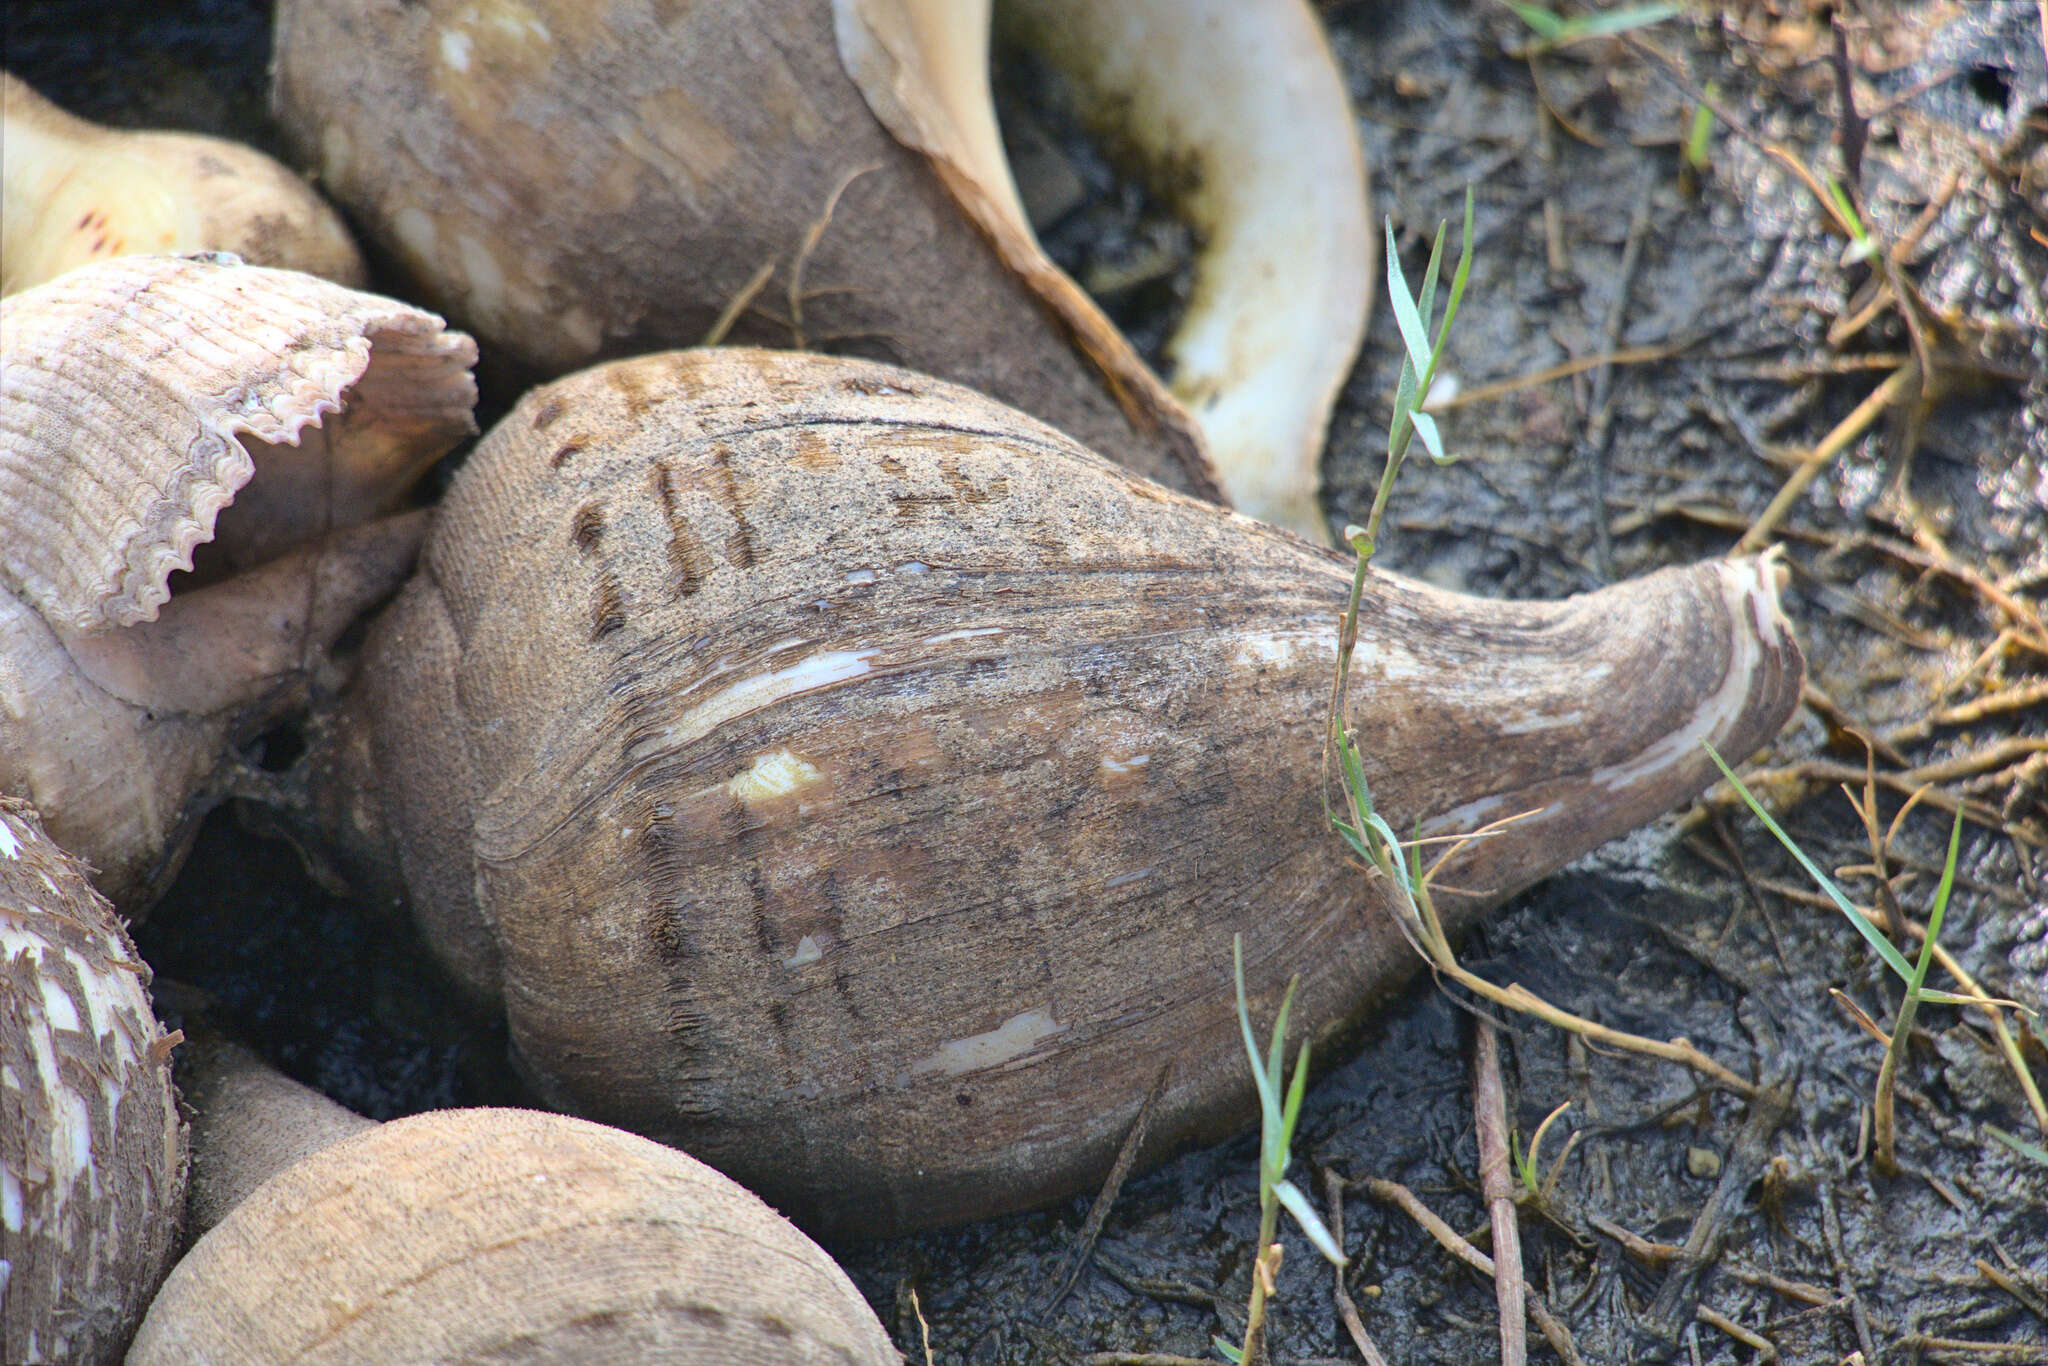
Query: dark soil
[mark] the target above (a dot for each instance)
(1918, 557)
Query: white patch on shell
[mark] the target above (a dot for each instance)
(1123, 879)
(776, 774)
(860, 576)
(486, 278)
(1126, 764)
(1010, 1040)
(964, 635)
(1463, 820)
(415, 230)
(455, 48)
(1281, 649)
(913, 567)
(10, 847)
(12, 1216)
(808, 950)
(766, 690)
(1541, 721)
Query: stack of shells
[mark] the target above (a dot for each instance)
(827, 768)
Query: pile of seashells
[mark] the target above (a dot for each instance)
(850, 773)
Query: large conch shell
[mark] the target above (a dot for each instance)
(472, 1236)
(575, 185)
(158, 409)
(72, 192)
(854, 782)
(92, 1152)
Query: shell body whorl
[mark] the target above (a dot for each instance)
(92, 1151)
(858, 784)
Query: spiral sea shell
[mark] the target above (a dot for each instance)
(856, 783)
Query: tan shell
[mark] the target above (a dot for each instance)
(479, 1236)
(72, 192)
(854, 782)
(92, 1152)
(574, 182)
(141, 397)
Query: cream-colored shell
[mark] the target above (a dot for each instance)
(72, 192)
(92, 1152)
(474, 1236)
(139, 399)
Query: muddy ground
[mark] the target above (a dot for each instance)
(1919, 559)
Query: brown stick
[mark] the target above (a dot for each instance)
(1489, 1110)
(1347, 1311)
(1833, 444)
(1394, 1193)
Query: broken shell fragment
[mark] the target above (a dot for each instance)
(854, 782)
(475, 1235)
(166, 414)
(574, 188)
(92, 1152)
(1239, 115)
(72, 192)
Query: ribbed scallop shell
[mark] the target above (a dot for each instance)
(127, 387)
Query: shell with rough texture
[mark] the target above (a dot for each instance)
(854, 782)
(167, 414)
(475, 1235)
(92, 1152)
(573, 187)
(72, 192)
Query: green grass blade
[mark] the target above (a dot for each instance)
(1267, 1103)
(1276, 1057)
(2033, 1151)
(1425, 427)
(1230, 1352)
(1893, 959)
(1291, 1111)
(1459, 276)
(1547, 25)
(1413, 334)
(1608, 22)
(1425, 298)
(1296, 1204)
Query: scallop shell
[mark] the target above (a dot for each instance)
(92, 1152)
(140, 394)
(139, 398)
